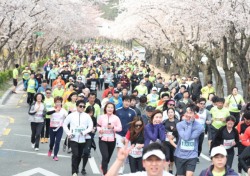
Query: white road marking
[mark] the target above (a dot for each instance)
(37, 170)
(93, 165)
(205, 157)
(91, 160)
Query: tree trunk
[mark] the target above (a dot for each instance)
(229, 72)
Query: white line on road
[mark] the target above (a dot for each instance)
(93, 165)
(42, 154)
(35, 171)
(205, 157)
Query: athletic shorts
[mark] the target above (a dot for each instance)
(119, 140)
(15, 82)
(183, 165)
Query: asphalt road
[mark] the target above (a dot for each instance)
(17, 158)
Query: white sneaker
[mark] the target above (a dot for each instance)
(121, 170)
(36, 149)
(32, 145)
(75, 174)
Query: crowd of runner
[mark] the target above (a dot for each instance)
(152, 122)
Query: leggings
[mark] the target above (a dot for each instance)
(36, 129)
(106, 149)
(55, 139)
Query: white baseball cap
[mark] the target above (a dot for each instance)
(154, 88)
(218, 150)
(157, 153)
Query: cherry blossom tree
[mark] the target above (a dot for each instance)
(188, 30)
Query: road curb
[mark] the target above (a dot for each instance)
(7, 94)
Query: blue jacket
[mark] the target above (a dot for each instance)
(119, 104)
(126, 115)
(187, 146)
(154, 132)
(208, 172)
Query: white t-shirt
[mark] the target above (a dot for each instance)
(144, 173)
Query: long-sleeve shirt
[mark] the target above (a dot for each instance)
(36, 116)
(153, 132)
(57, 118)
(187, 146)
(80, 125)
(126, 115)
(102, 124)
(244, 158)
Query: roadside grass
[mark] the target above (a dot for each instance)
(4, 87)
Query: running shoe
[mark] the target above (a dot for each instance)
(55, 158)
(32, 145)
(49, 153)
(36, 149)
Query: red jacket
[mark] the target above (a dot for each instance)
(106, 91)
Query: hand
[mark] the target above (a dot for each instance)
(70, 136)
(233, 143)
(123, 152)
(170, 137)
(171, 127)
(101, 132)
(208, 122)
(110, 126)
(248, 171)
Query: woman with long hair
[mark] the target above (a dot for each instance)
(135, 136)
(58, 114)
(154, 130)
(107, 125)
(36, 118)
(170, 131)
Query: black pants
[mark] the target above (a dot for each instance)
(201, 138)
(237, 117)
(135, 164)
(77, 150)
(30, 98)
(230, 157)
(36, 129)
(86, 152)
(45, 133)
(240, 150)
(106, 149)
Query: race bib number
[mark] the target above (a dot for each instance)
(31, 86)
(187, 145)
(108, 132)
(136, 153)
(55, 121)
(38, 116)
(228, 143)
(77, 131)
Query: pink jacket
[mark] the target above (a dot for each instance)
(102, 123)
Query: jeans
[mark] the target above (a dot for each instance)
(77, 150)
(86, 152)
(101, 80)
(135, 164)
(36, 129)
(106, 149)
(55, 139)
(47, 130)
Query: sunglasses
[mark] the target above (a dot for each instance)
(171, 104)
(81, 106)
(138, 126)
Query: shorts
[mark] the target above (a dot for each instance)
(15, 82)
(213, 132)
(183, 165)
(119, 140)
